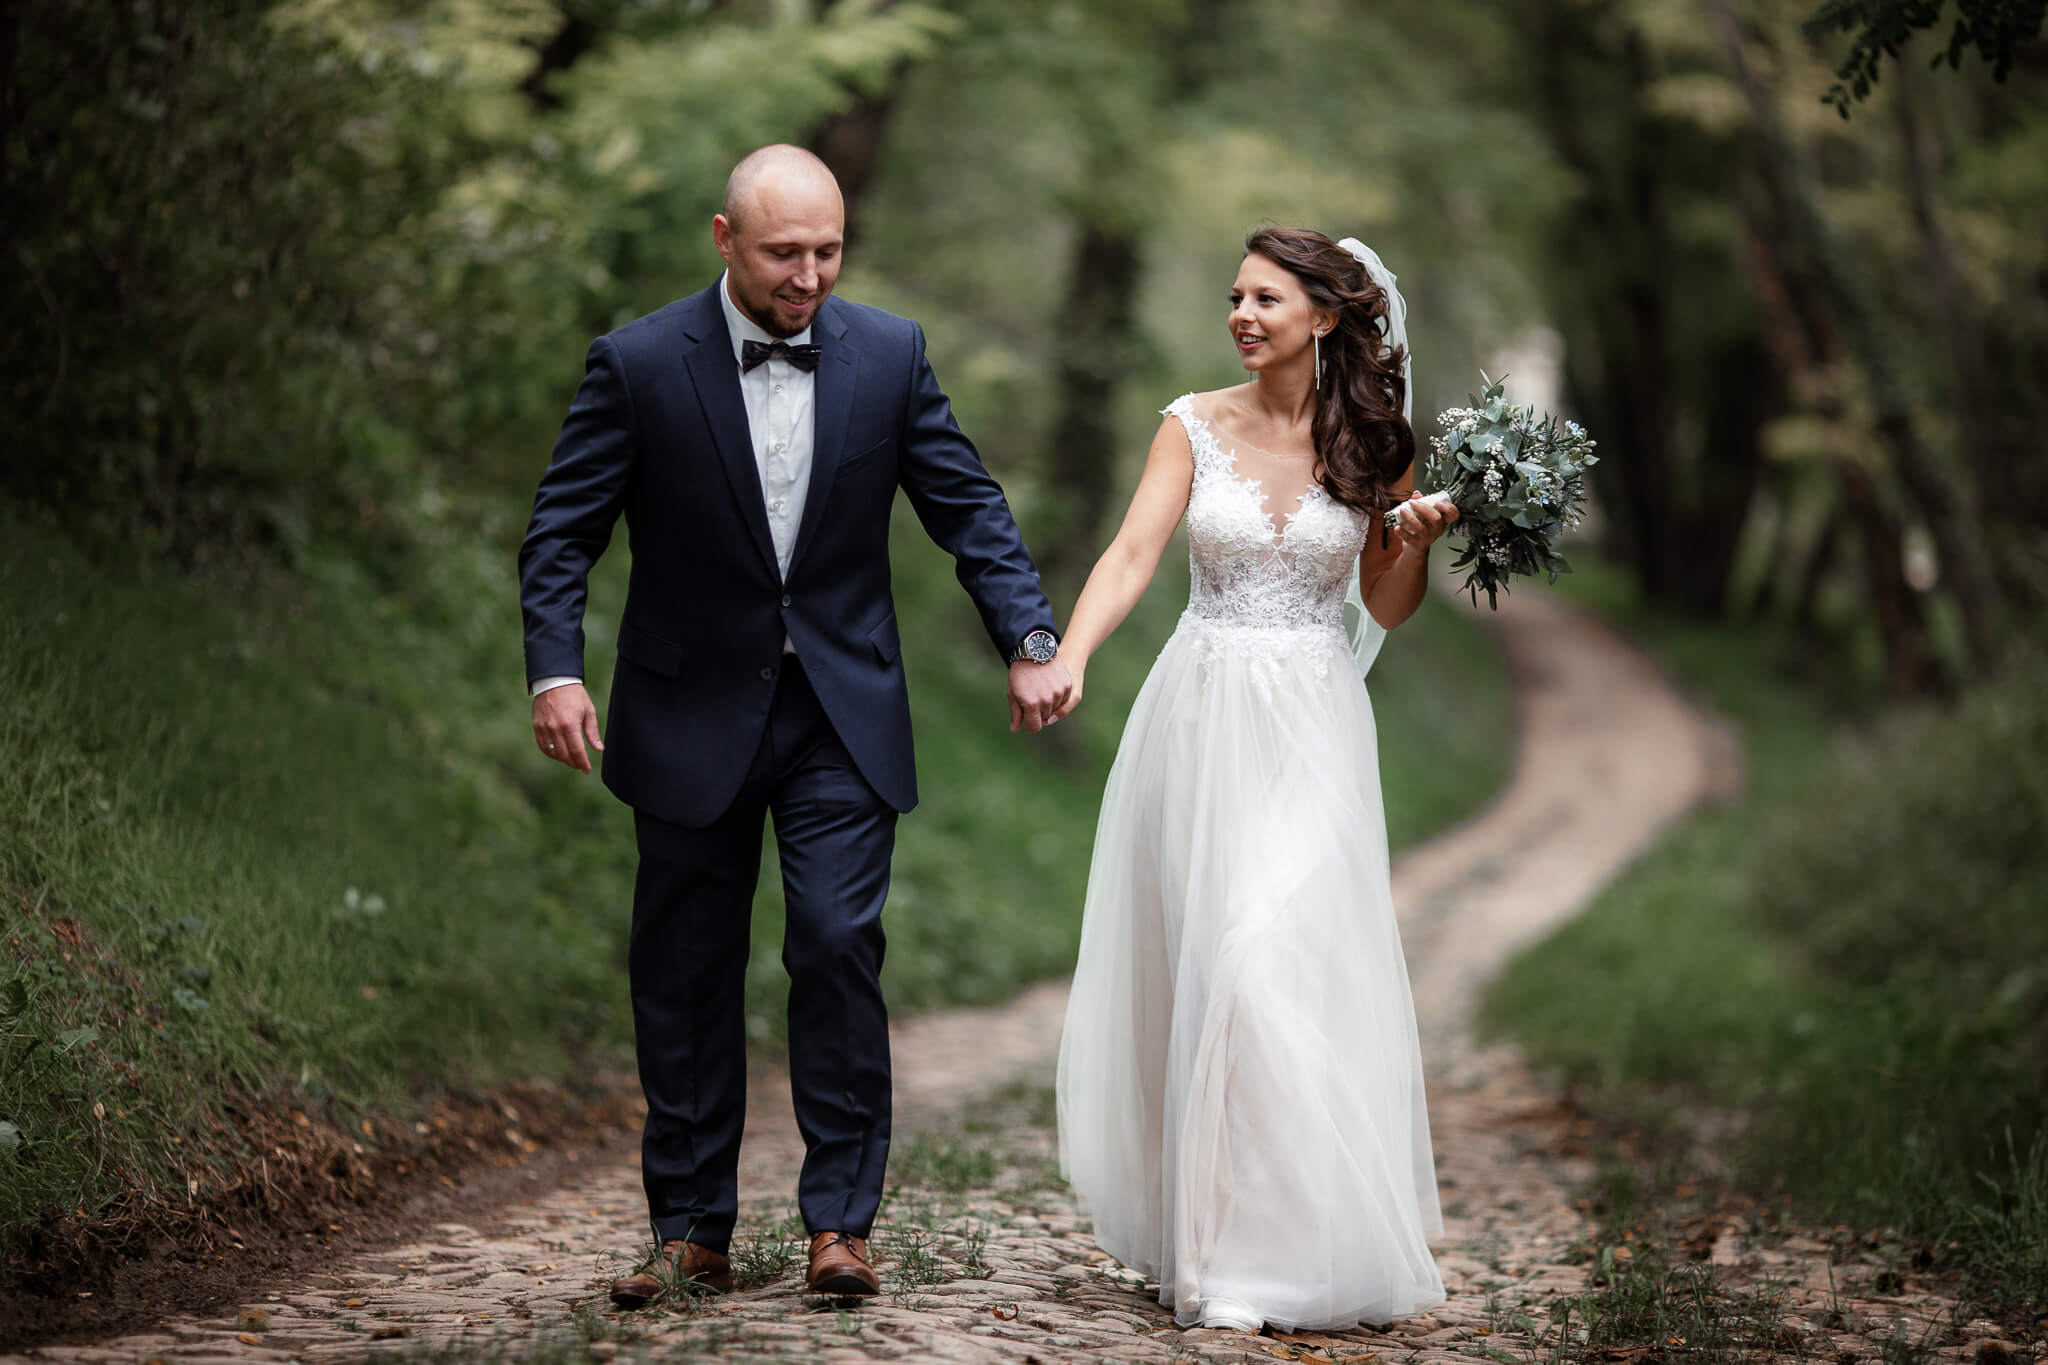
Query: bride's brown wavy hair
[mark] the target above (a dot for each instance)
(1362, 441)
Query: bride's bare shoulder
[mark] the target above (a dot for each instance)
(1221, 402)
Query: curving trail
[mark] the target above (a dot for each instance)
(983, 1253)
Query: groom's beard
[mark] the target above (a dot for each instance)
(774, 326)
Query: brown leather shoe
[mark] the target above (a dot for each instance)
(840, 1266)
(677, 1262)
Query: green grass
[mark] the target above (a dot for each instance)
(265, 849)
(1851, 955)
(284, 844)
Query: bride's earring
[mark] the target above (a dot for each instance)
(1318, 337)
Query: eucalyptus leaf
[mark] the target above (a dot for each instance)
(1520, 486)
(10, 1136)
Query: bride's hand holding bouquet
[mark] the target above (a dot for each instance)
(1515, 478)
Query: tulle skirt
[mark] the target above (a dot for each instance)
(1240, 1086)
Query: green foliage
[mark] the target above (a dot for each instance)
(241, 869)
(1850, 954)
(1995, 28)
(204, 207)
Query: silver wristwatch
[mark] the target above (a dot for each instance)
(1038, 647)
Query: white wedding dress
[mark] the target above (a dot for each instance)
(1240, 1086)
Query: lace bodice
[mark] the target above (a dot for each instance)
(1249, 572)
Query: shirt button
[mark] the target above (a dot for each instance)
(778, 447)
(787, 599)
(768, 674)
(778, 388)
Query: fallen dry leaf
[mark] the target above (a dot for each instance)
(248, 1338)
(1315, 1341)
(351, 1303)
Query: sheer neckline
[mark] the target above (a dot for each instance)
(1279, 519)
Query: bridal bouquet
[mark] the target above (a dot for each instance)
(1518, 480)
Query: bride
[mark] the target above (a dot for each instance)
(1240, 1087)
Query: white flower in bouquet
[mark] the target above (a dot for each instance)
(1518, 481)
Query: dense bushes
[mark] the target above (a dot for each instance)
(1855, 956)
(206, 207)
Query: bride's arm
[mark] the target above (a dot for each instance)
(1121, 576)
(1393, 573)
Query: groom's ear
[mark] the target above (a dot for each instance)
(721, 236)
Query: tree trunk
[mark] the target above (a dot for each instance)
(573, 37)
(1910, 669)
(1099, 333)
(1764, 596)
(850, 142)
(1628, 392)
(1097, 344)
(1802, 341)
(1813, 573)
(1747, 389)
(1827, 279)
(1952, 314)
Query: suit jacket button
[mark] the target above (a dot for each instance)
(787, 599)
(768, 673)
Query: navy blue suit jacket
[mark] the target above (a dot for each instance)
(658, 433)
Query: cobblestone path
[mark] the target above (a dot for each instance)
(986, 1261)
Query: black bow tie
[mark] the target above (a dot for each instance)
(753, 353)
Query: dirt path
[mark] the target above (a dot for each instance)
(985, 1258)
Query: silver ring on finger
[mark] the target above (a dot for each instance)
(550, 748)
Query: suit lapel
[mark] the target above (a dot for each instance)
(831, 411)
(717, 378)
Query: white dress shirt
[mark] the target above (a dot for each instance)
(782, 425)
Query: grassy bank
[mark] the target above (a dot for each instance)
(286, 847)
(1850, 957)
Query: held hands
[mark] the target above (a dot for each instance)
(1038, 694)
(1421, 519)
(1078, 670)
(563, 719)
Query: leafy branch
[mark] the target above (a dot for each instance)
(1995, 28)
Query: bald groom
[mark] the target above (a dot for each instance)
(753, 436)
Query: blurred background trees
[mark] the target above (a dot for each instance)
(286, 271)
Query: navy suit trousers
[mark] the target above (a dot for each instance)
(692, 902)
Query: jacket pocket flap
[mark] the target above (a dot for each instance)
(883, 638)
(650, 651)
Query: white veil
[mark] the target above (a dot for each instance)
(1367, 635)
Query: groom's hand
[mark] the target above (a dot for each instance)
(563, 719)
(1037, 692)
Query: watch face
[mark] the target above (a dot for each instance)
(1039, 647)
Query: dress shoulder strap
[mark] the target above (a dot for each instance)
(1200, 439)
